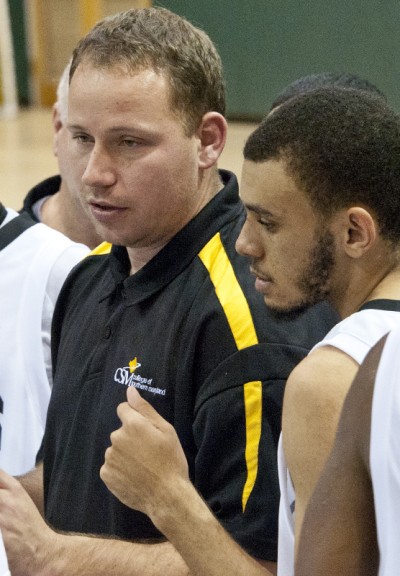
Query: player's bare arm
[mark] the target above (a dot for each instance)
(313, 400)
(338, 534)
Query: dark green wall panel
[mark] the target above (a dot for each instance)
(266, 44)
(17, 17)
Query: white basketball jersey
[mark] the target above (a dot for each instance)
(26, 268)
(355, 336)
(385, 455)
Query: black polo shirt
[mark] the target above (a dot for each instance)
(192, 334)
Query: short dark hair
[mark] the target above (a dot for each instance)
(342, 147)
(322, 80)
(156, 38)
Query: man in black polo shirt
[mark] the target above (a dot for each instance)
(171, 311)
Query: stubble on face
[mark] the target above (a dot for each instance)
(314, 282)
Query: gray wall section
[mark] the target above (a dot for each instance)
(266, 44)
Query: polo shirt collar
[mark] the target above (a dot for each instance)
(180, 251)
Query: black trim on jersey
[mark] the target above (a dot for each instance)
(14, 228)
(382, 304)
(3, 213)
(47, 187)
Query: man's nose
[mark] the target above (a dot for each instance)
(99, 171)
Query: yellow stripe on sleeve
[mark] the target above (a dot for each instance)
(237, 312)
(253, 409)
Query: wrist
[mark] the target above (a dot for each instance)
(181, 505)
(51, 559)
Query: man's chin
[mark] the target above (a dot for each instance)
(287, 314)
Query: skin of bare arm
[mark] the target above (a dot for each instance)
(32, 482)
(146, 469)
(338, 534)
(34, 549)
(313, 400)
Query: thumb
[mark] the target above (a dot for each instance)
(141, 405)
(134, 398)
(6, 481)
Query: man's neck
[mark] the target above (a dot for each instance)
(139, 257)
(60, 213)
(210, 185)
(386, 286)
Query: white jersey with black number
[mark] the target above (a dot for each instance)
(385, 455)
(355, 336)
(33, 268)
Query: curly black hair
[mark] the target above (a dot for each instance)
(323, 79)
(342, 147)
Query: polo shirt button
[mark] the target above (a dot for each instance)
(107, 332)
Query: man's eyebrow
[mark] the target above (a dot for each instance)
(114, 129)
(257, 208)
(75, 127)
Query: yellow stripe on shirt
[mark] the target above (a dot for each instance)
(229, 292)
(237, 312)
(253, 409)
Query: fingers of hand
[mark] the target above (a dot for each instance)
(144, 456)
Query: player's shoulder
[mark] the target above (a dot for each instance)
(324, 372)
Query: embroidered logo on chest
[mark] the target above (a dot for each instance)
(127, 376)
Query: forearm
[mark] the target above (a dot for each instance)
(146, 446)
(80, 555)
(33, 484)
(203, 543)
(34, 549)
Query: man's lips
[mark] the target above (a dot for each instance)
(103, 211)
(262, 283)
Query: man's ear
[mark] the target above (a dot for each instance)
(57, 125)
(212, 137)
(362, 231)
